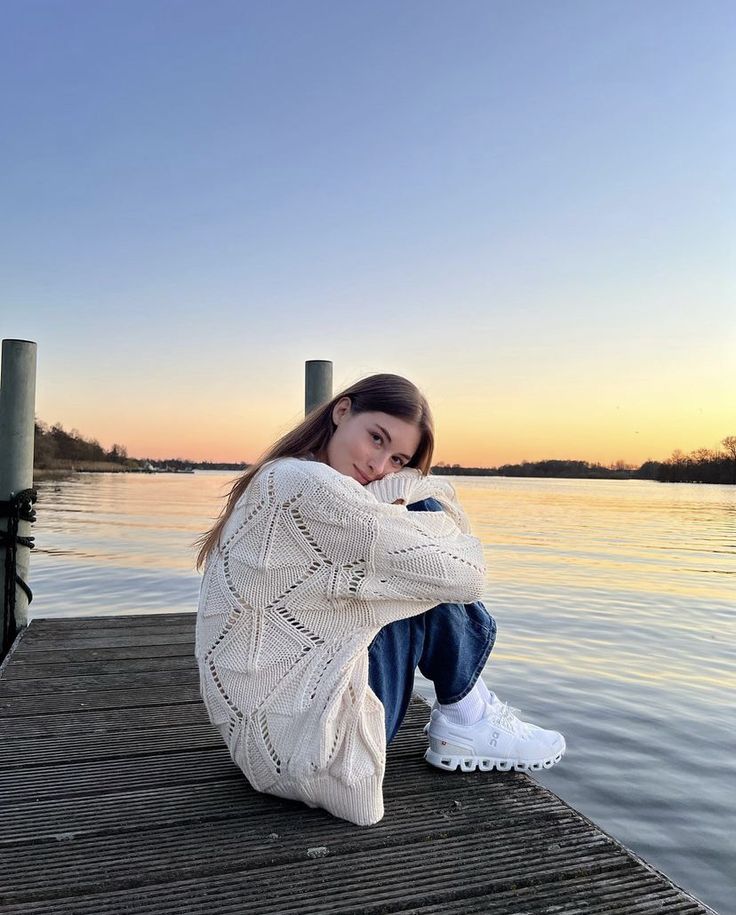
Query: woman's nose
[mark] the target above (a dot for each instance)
(376, 465)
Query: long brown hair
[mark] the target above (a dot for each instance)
(382, 393)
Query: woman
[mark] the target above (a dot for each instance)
(327, 581)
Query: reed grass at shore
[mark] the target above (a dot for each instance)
(61, 469)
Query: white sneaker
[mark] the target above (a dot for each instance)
(499, 740)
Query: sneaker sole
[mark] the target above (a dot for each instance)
(487, 763)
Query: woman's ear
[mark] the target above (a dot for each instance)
(341, 408)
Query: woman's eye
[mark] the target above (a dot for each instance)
(377, 437)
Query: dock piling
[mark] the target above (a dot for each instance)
(317, 383)
(17, 406)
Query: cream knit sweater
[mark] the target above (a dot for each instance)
(310, 566)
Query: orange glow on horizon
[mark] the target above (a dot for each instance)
(480, 426)
(458, 439)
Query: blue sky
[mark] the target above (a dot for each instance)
(528, 208)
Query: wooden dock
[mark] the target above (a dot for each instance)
(119, 797)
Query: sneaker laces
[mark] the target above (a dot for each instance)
(504, 715)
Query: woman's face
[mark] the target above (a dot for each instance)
(367, 446)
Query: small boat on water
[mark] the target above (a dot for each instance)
(148, 467)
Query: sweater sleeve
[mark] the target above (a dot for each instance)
(410, 485)
(402, 562)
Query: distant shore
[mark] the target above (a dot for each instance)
(560, 470)
(58, 453)
(63, 469)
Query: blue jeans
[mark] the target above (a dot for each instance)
(449, 644)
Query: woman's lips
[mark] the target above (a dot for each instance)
(363, 478)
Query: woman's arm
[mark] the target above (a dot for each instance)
(381, 552)
(410, 485)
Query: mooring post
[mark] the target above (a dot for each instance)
(17, 419)
(317, 383)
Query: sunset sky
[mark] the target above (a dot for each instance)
(528, 208)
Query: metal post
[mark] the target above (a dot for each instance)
(317, 383)
(17, 418)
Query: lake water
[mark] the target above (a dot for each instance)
(615, 602)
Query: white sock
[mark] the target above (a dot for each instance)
(483, 689)
(469, 709)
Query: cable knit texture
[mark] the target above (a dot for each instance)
(310, 565)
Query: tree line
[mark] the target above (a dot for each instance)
(700, 466)
(55, 446)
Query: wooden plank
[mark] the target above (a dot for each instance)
(120, 639)
(50, 634)
(92, 655)
(93, 777)
(103, 721)
(114, 623)
(62, 686)
(35, 752)
(115, 698)
(74, 668)
(74, 623)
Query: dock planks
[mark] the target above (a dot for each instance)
(118, 796)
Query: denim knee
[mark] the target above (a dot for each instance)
(426, 505)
